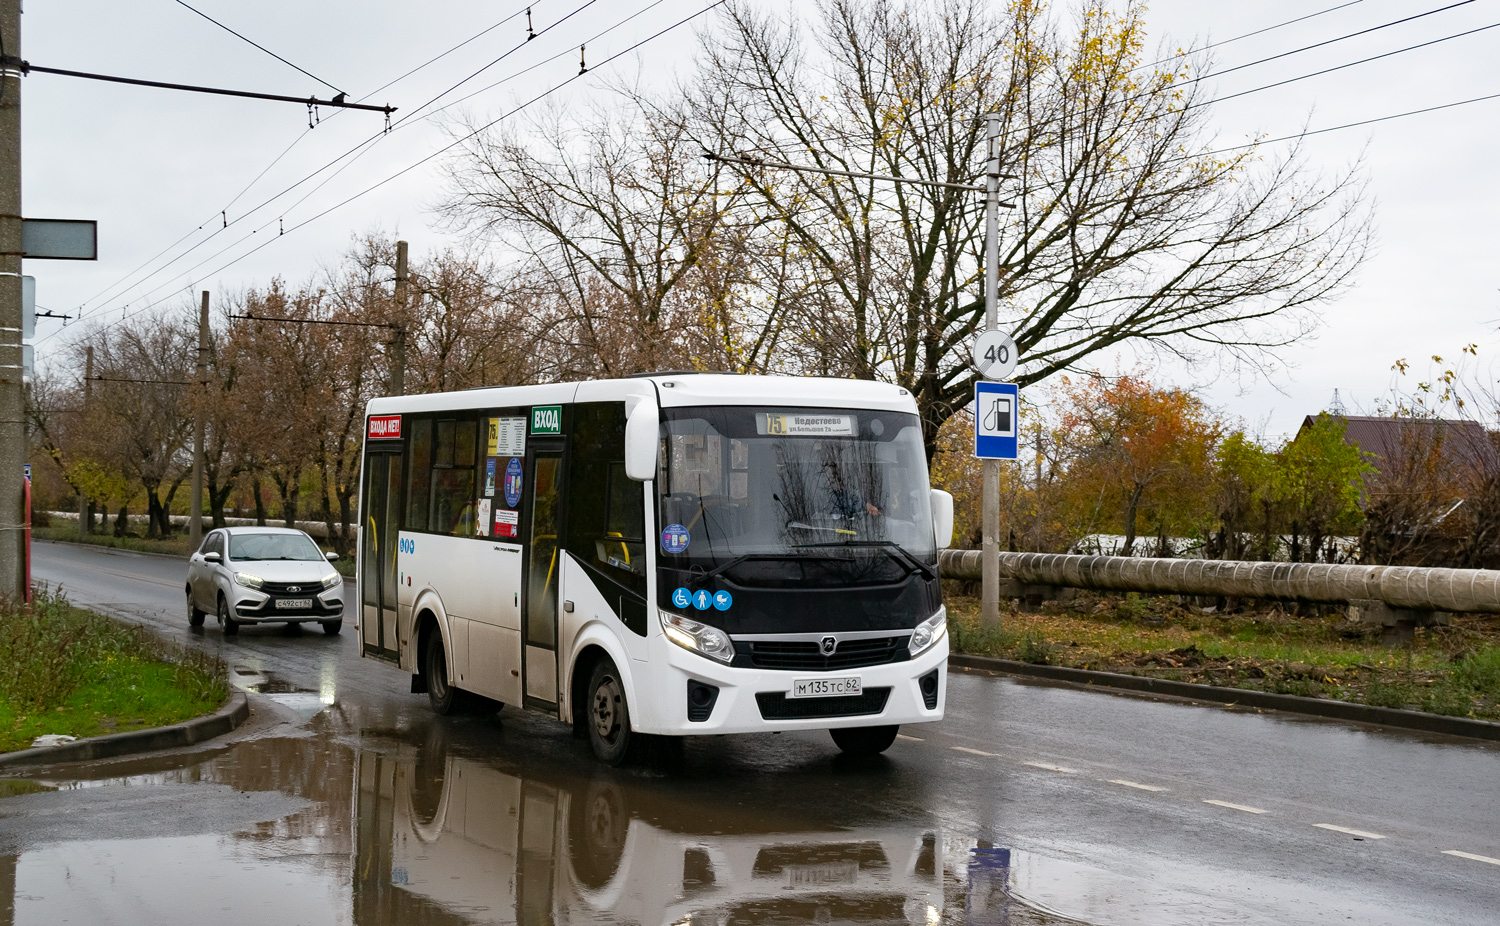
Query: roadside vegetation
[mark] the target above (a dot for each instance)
(1451, 670)
(67, 670)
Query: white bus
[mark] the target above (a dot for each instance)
(673, 554)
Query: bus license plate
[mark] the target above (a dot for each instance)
(293, 602)
(826, 687)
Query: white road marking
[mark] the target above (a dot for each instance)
(1133, 784)
(976, 752)
(1235, 806)
(1051, 768)
(914, 739)
(1470, 855)
(1339, 829)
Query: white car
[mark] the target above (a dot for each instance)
(260, 575)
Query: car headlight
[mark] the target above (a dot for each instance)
(700, 638)
(330, 581)
(928, 632)
(248, 580)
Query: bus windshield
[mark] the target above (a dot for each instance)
(743, 490)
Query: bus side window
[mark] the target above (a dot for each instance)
(419, 474)
(451, 509)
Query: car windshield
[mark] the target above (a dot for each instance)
(767, 485)
(243, 547)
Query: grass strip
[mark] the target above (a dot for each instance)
(67, 670)
(175, 545)
(1453, 670)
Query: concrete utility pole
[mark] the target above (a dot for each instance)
(989, 612)
(398, 341)
(13, 451)
(195, 512)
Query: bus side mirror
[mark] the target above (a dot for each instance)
(642, 434)
(942, 518)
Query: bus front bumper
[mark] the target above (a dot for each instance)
(695, 695)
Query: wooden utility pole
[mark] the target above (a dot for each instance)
(13, 451)
(195, 512)
(398, 341)
(88, 392)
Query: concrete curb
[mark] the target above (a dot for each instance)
(188, 733)
(1317, 707)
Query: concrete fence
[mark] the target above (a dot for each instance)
(1405, 588)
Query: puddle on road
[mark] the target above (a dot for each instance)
(305, 702)
(410, 830)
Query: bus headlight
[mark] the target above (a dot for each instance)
(700, 638)
(928, 632)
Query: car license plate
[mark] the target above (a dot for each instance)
(826, 687)
(293, 602)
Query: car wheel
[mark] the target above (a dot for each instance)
(226, 620)
(332, 628)
(610, 736)
(864, 741)
(195, 615)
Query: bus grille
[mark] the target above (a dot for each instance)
(775, 705)
(804, 655)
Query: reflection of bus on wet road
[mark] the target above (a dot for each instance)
(485, 846)
(674, 554)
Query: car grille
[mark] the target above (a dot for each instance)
(309, 589)
(775, 705)
(806, 655)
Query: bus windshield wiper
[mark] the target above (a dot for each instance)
(890, 547)
(745, 557)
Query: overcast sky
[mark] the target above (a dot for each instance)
(156, 168)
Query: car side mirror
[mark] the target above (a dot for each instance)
(331, 556)
(642, 434)
(212, 558)
(942, 518)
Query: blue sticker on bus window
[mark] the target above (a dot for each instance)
(681, 598)
(674, 539)
(489, 478)
(722, 600)
(513, 482)
(702, 600)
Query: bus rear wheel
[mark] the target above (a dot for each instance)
(444, 698)
(608, 722)
(864, 741)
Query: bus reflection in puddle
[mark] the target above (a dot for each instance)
(490, 847)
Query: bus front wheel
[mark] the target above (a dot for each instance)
(864, 741)
(610, 736)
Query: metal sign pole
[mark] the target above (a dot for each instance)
(990, 511)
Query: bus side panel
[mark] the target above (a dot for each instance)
(479, 583)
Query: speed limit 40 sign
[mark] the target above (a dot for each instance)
(995, 355)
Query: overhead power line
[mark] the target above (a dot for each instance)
(409, 168)
(338, 101)
(1247, 35)
(362, 147)
(260, 46)
(223, 211)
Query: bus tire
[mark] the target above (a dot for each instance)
(864, 741)
(610, 736)
(445, 699)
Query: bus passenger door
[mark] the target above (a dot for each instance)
(543, 575)
(378, 540)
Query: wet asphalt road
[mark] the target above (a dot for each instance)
(1028, 804)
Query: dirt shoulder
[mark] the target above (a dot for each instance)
(1453, 670)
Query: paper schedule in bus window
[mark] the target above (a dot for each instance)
(507, 437)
